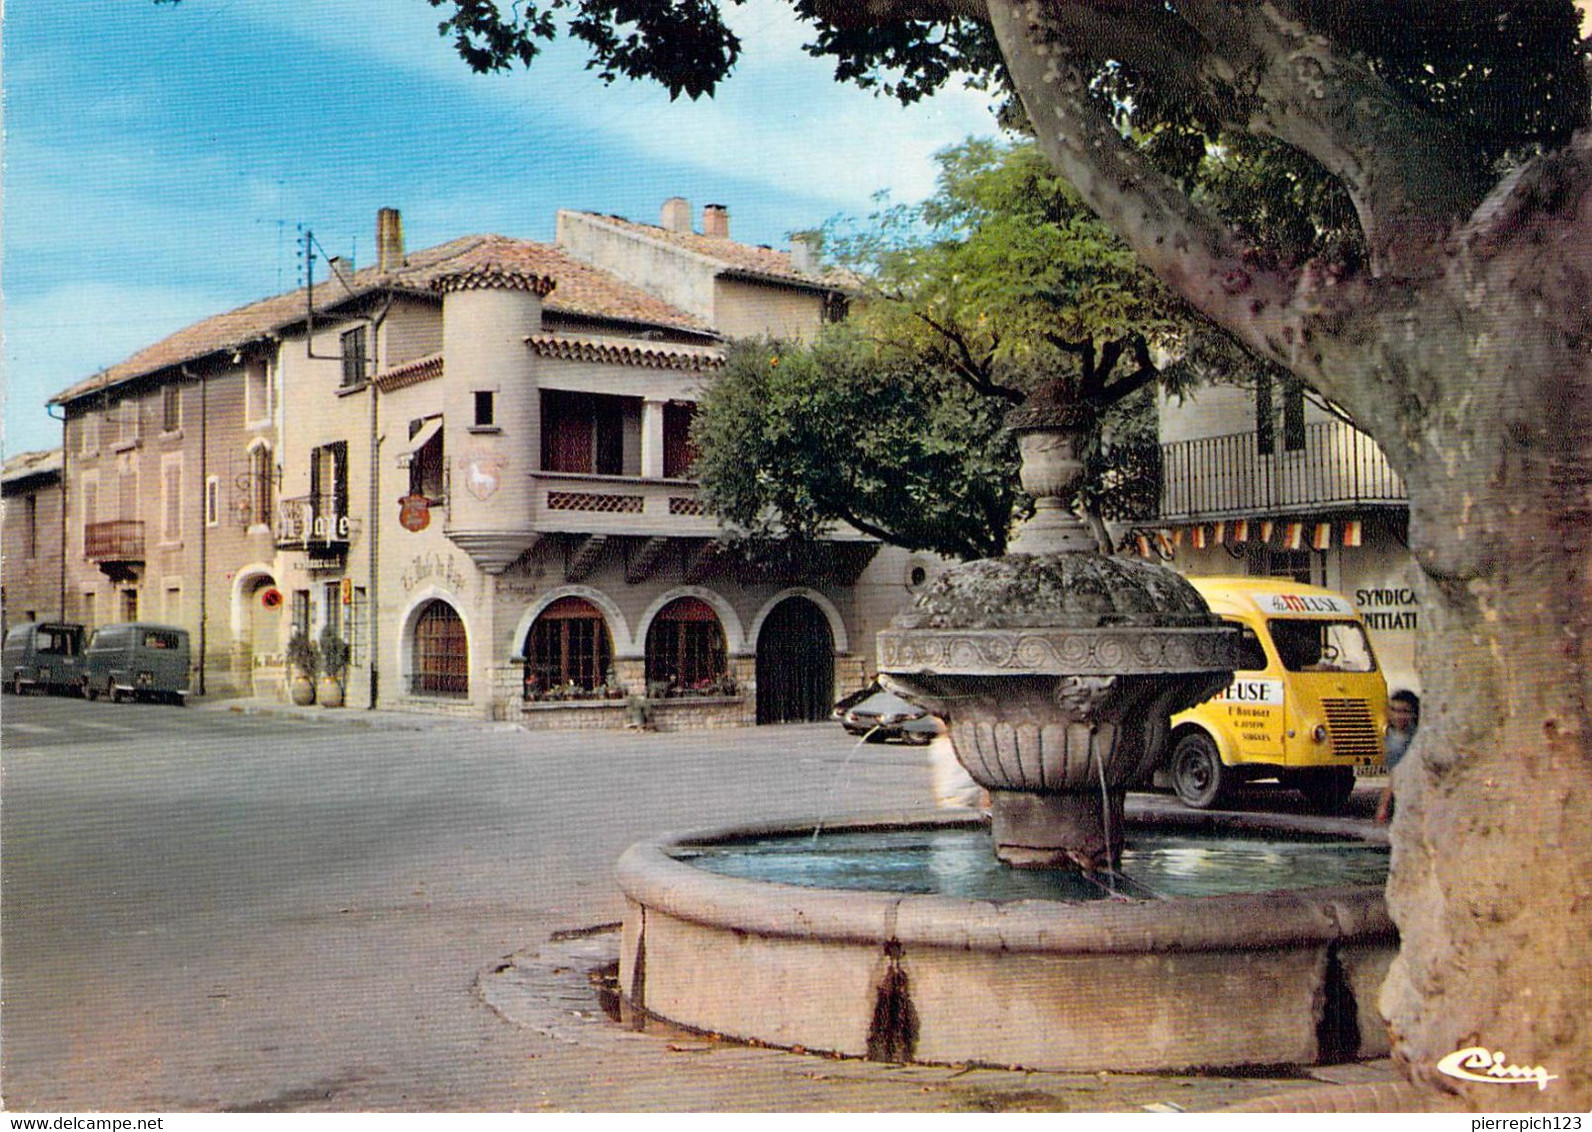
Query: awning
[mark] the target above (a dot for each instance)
(419, 440)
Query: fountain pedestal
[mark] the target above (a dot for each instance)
(1056, 668)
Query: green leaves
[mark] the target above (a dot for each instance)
(794, 439)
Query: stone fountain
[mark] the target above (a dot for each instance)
(1057, 669)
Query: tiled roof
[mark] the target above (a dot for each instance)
(420, 370)
(730, 255)
(25, 464)
(579, 290)
(618, 351)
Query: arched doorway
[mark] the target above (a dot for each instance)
(795, 664)
(441, 653)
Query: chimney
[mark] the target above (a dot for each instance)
(804, 253)
(676, 216)
(716, 221)
(389, 240)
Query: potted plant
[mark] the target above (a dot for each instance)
(334, 663)
(305, 662)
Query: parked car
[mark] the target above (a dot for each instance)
(846, 703)
(44, 655)
(885, 715)
(137, 660)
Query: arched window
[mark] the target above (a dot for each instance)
(568, 648)
(685, 648)
(442, 653)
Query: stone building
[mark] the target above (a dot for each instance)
(31, 578)
(1270, 483)
(470, 463)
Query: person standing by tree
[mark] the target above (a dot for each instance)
(1403, 716)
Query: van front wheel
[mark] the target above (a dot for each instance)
(1198, 776)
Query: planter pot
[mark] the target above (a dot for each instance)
(302, 690)
(330, 693)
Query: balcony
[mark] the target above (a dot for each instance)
(592, 504)
(1223, 477)
(117, 546)
(316, 526)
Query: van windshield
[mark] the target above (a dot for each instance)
(1321, 646)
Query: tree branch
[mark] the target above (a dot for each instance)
(966, 364)
(1411, 174)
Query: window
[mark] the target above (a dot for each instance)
(88, 434)
(170, 408)
(127, 495)
(262, 485)
(354, 357)
(585, 433)
(485, 408)
(1296, 565)
(212, 501)
(257, 391)
(30, 519)
(1321, 646)
(90, 508)
(685, 648)
(129, 605)
(301, 613)
(329, 491)
(128, 418)
(678, 452)
(428, 465)
(569, 647)
(441, 653)
(1293, 415)
(332, 607)
(171, 497)
(171, 610)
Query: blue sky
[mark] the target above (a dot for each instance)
(159, 161)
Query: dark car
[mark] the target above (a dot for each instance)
(885, 715)
(44, 657)
(137, 660)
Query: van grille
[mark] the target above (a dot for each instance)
(1352, 730)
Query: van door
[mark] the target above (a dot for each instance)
(1255, 703)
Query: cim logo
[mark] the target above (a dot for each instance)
(1251, 692)
(1302, 603)
(1491, 1067)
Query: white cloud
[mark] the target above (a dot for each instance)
(780, 119)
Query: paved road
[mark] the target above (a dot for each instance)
(206, 910)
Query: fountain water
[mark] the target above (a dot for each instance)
(1056, 669)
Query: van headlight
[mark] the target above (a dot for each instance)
(1320, 733)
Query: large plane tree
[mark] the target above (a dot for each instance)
(1413, 239)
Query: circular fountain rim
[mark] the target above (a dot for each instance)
(651, 877)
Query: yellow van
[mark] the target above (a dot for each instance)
(1307, 706)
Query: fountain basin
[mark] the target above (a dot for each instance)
(1272, 978)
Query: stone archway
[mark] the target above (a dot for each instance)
(795, 663)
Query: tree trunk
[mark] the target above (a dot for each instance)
(1492, 869)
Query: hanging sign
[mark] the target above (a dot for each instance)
(414, 512)
(271, 597)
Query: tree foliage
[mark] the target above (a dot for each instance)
(791, 439)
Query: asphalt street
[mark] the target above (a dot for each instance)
(204, 909)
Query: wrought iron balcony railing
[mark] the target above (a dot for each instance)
(118, 540)
(1229, 477)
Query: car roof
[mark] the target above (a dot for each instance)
(1238, 594)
